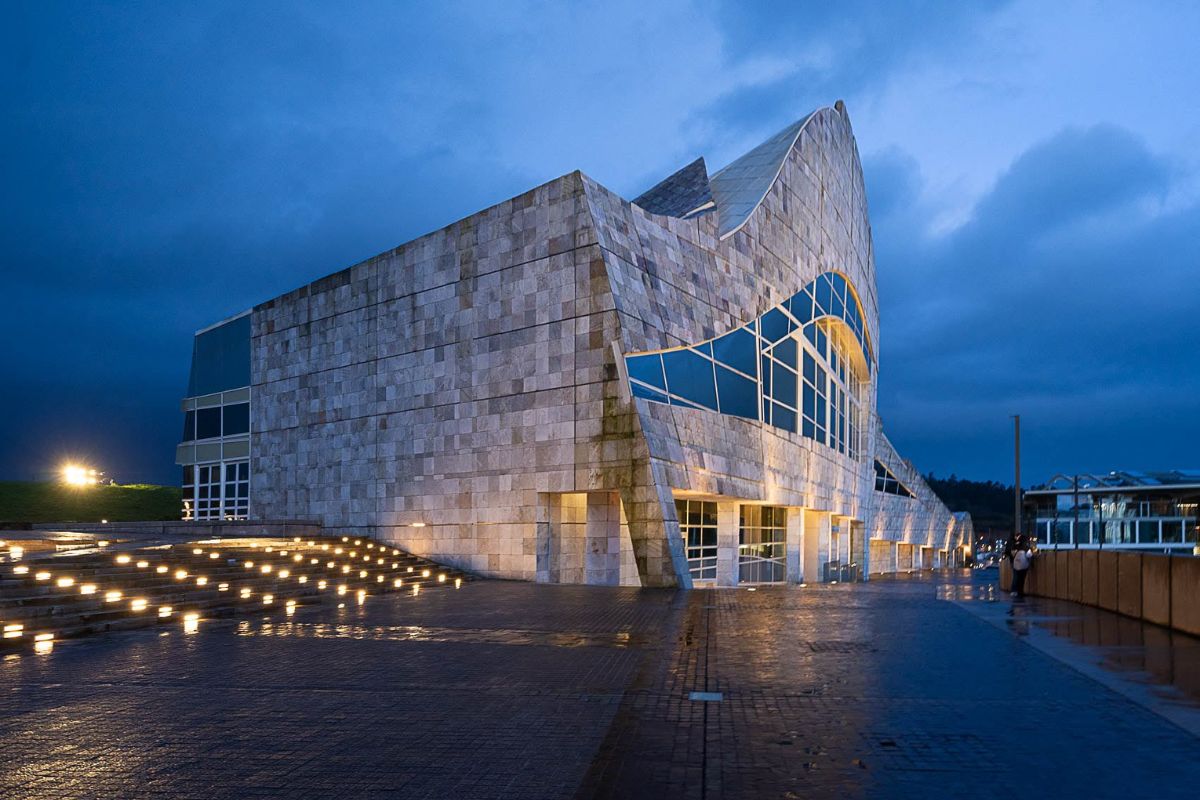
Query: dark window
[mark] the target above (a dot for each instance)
(839, 307)
(647, 369)
(221, 358)
(783, 418)
(189, 426)
(839, 283)
(784, 386)
(810, 368)
(739, 396)
(208, 423)
(785, 352)
(690, 376)
(775, 325)
(801, 306)
(237, 419)
(737, 349)
(647, 393)
(824, 294)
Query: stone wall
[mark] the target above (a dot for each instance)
(1156, 588)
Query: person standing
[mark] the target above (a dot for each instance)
(1022, 557)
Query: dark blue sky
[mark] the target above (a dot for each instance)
(1031, 167)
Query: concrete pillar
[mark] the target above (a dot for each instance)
(816, 543)
(728, 539)
(858, 547)
(795, 545)
(602, 552)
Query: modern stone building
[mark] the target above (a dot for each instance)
(573, 387)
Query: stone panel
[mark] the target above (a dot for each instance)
(1089, 577)
(1156, 589)
(1185, 595)
(1106, 579)
(1129, 584)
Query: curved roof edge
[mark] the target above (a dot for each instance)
(740, 187)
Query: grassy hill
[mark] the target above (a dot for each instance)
(22, 501)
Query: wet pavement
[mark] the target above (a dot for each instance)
(898, 688)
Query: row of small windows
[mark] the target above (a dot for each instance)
(766, 371)
(888, 483)
(209, 423)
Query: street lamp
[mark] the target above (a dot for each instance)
(76, 475)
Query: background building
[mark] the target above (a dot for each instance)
(1127, 510)
(573, 387)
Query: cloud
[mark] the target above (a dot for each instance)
(1059, 298)
(167, 166)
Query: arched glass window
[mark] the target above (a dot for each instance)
(802, 366)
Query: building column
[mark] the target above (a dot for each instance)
(817, 526)
(602, 552)
(728, 538)
(795, 545)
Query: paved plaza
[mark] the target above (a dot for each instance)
(899, 688)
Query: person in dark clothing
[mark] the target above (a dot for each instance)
(1022, 557)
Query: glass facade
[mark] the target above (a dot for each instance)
(888, 483)
(219, 490)
(792, 368)
(215, 445)
(762, 544)
(1133, 520)
(221, 358)
(698, 524)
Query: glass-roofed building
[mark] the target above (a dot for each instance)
(575, 387)
(1132, 510)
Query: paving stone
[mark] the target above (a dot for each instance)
(505, 689)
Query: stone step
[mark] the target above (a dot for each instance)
(165, 582)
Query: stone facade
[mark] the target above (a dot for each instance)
(464, 395)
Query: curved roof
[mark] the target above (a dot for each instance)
(1124, 479)
(739, 188)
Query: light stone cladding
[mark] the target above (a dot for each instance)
(463, 396)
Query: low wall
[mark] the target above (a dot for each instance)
(191, 530)
(1156, 588)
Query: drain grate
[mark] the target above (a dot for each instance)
(841, 647)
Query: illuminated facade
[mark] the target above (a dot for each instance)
(573, 387)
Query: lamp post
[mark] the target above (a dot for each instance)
(1075, 504)
(1017, 475)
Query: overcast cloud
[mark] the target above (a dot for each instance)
(1031, 168)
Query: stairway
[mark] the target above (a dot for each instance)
(122, 587)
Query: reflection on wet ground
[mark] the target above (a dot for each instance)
(509, 690)
(1153, 666)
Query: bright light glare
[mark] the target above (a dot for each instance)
(75, 475)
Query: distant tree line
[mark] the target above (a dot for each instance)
(990, 503)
